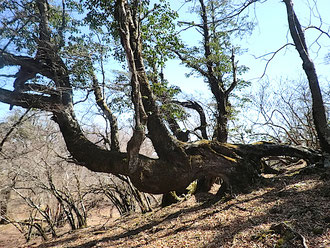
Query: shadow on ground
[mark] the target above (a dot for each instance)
(301, 200)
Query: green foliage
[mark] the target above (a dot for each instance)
(159, 35)
(17, 25)
(120, 100)
(68, 35)
(163, 90)
(82, 53)
(21, 23)
(86, 37)
(165, 93)
(213, 58)
(221, 30)
(157, 29)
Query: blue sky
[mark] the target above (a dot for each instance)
(269, 35)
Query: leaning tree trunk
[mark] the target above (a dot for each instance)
(319, 115)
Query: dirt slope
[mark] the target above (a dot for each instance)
(289, 210)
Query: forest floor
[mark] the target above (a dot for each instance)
(287, 210)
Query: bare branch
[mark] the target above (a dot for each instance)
(84, 99)
(190, 24)
(319, 115)
(319, 29)
(42, 89)
(234, 68)
(272, 57)
(239, 10)
(13, 127)
(8, 76)
(196, 106)
(190, 64)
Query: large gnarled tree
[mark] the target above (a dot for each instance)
(178, 163)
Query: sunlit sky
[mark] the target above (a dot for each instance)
(270, 33)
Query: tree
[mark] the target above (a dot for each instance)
(36, 169)
(51, 89)
(214, 59)
(285, 114)
(319, 116)
(35, 173)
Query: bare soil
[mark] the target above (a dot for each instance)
(287, 210)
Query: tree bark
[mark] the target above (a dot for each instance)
(114, 142)
(196, 106)
(319, 116)
(216, 84)
(167, 147)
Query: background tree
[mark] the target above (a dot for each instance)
(41, 188)
(214, 60)
(319, 115)
(285, 114)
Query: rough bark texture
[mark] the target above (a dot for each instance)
(236, 164)
(167, 148)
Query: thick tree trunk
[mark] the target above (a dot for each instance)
(221, 129)
(237, 165)
(220, 134)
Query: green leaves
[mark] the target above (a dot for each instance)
(158, 34)
(82, 53)
(216, 31)
(20, 26)
(16, 28)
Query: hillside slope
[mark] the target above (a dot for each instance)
(287, 210)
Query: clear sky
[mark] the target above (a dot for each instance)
(269, 35)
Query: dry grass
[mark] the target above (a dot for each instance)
(301, 201)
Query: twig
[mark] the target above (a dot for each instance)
(273, 55)
(13, 127)
(319, 29)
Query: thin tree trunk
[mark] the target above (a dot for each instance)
(100, 101)
(319, 116)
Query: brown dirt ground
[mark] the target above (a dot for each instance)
(300, 201)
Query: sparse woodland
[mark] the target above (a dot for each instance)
(155, 146)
